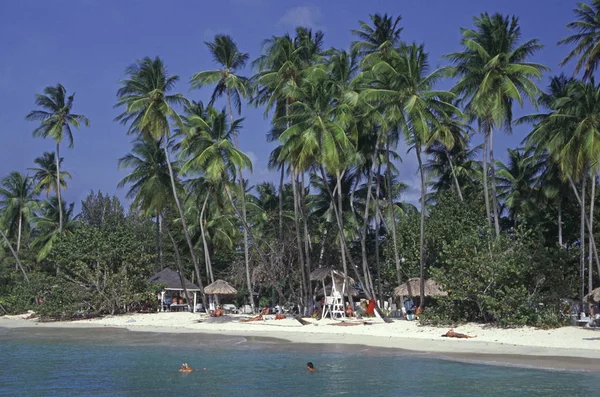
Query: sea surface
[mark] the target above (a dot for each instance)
(108, 362)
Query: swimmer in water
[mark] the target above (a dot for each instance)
(310, 367)
(185, 368)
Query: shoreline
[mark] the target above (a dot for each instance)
(560, 349)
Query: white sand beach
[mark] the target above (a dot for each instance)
(556, 344)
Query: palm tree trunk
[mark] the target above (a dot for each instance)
(486, 194)
(493, 184)
(207, 260)
(307, 243)
(391, 211)
(422, 229)
(560, 231)
(377, 225)
(19, 264)
(19, 231)
(342, 247)
(591, 233)
(160, 241)
(597, 259)
(458, 190)
(582, 241)
(184, 225)
(363, 235)
(179, 267)
(281, 178)
(304, 276)
(243, 203)
(58, 194)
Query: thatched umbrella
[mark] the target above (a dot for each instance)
(220, 287)
(413, 288)
(322, 273)
(593, 297)
(327, 290)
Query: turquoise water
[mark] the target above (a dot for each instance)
(118, 363)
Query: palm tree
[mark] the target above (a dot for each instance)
(587, 39)
(17, 203)
(47, 225)
(570, 133)
(150, 182)
(56, 122)
(46, 174)
(145, 95)
(207, 148)
(416, 109)
(494, 72)
(380, 38)
(227, 82)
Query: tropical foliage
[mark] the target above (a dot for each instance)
(508, 240)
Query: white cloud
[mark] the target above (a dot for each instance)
(306, 16)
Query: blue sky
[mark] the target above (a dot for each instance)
(87, 44)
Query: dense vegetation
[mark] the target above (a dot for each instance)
(508, 241)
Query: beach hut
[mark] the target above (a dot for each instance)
(220, 288)
(172, 281)
(334, 301)
(413, 288)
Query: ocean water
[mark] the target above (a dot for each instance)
(106, 362)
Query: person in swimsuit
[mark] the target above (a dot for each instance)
(185, 368)
(452, 334)
(310, 367)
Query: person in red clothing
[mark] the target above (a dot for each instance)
(371, 308)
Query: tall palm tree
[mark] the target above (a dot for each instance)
(17, 204)
(56, 121)
(571, 134)
(587, 39)
(227, 82)
(149, 182)
(46, 174)
(208, 149)
(494, 71)
(377, 43)
(148, 102)
(417, 109)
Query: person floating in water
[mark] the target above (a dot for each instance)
(310, 367)
(185, 368)
(452, 334)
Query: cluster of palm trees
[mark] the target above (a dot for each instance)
(338, 118)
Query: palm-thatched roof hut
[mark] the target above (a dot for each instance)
(593, 297)
(220, 287)
(413, 288)
(322, 273)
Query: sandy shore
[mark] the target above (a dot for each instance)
(568, 347)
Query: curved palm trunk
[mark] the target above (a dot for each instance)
(493, 185)
(58, 194)
(363, 235)
(184, 225)
(243, 204)
(422, 230)
(582, 242)
(14, 255)
(458, 190)
(486, 194)
(179, 267)
(391, 212)
(207, 260)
